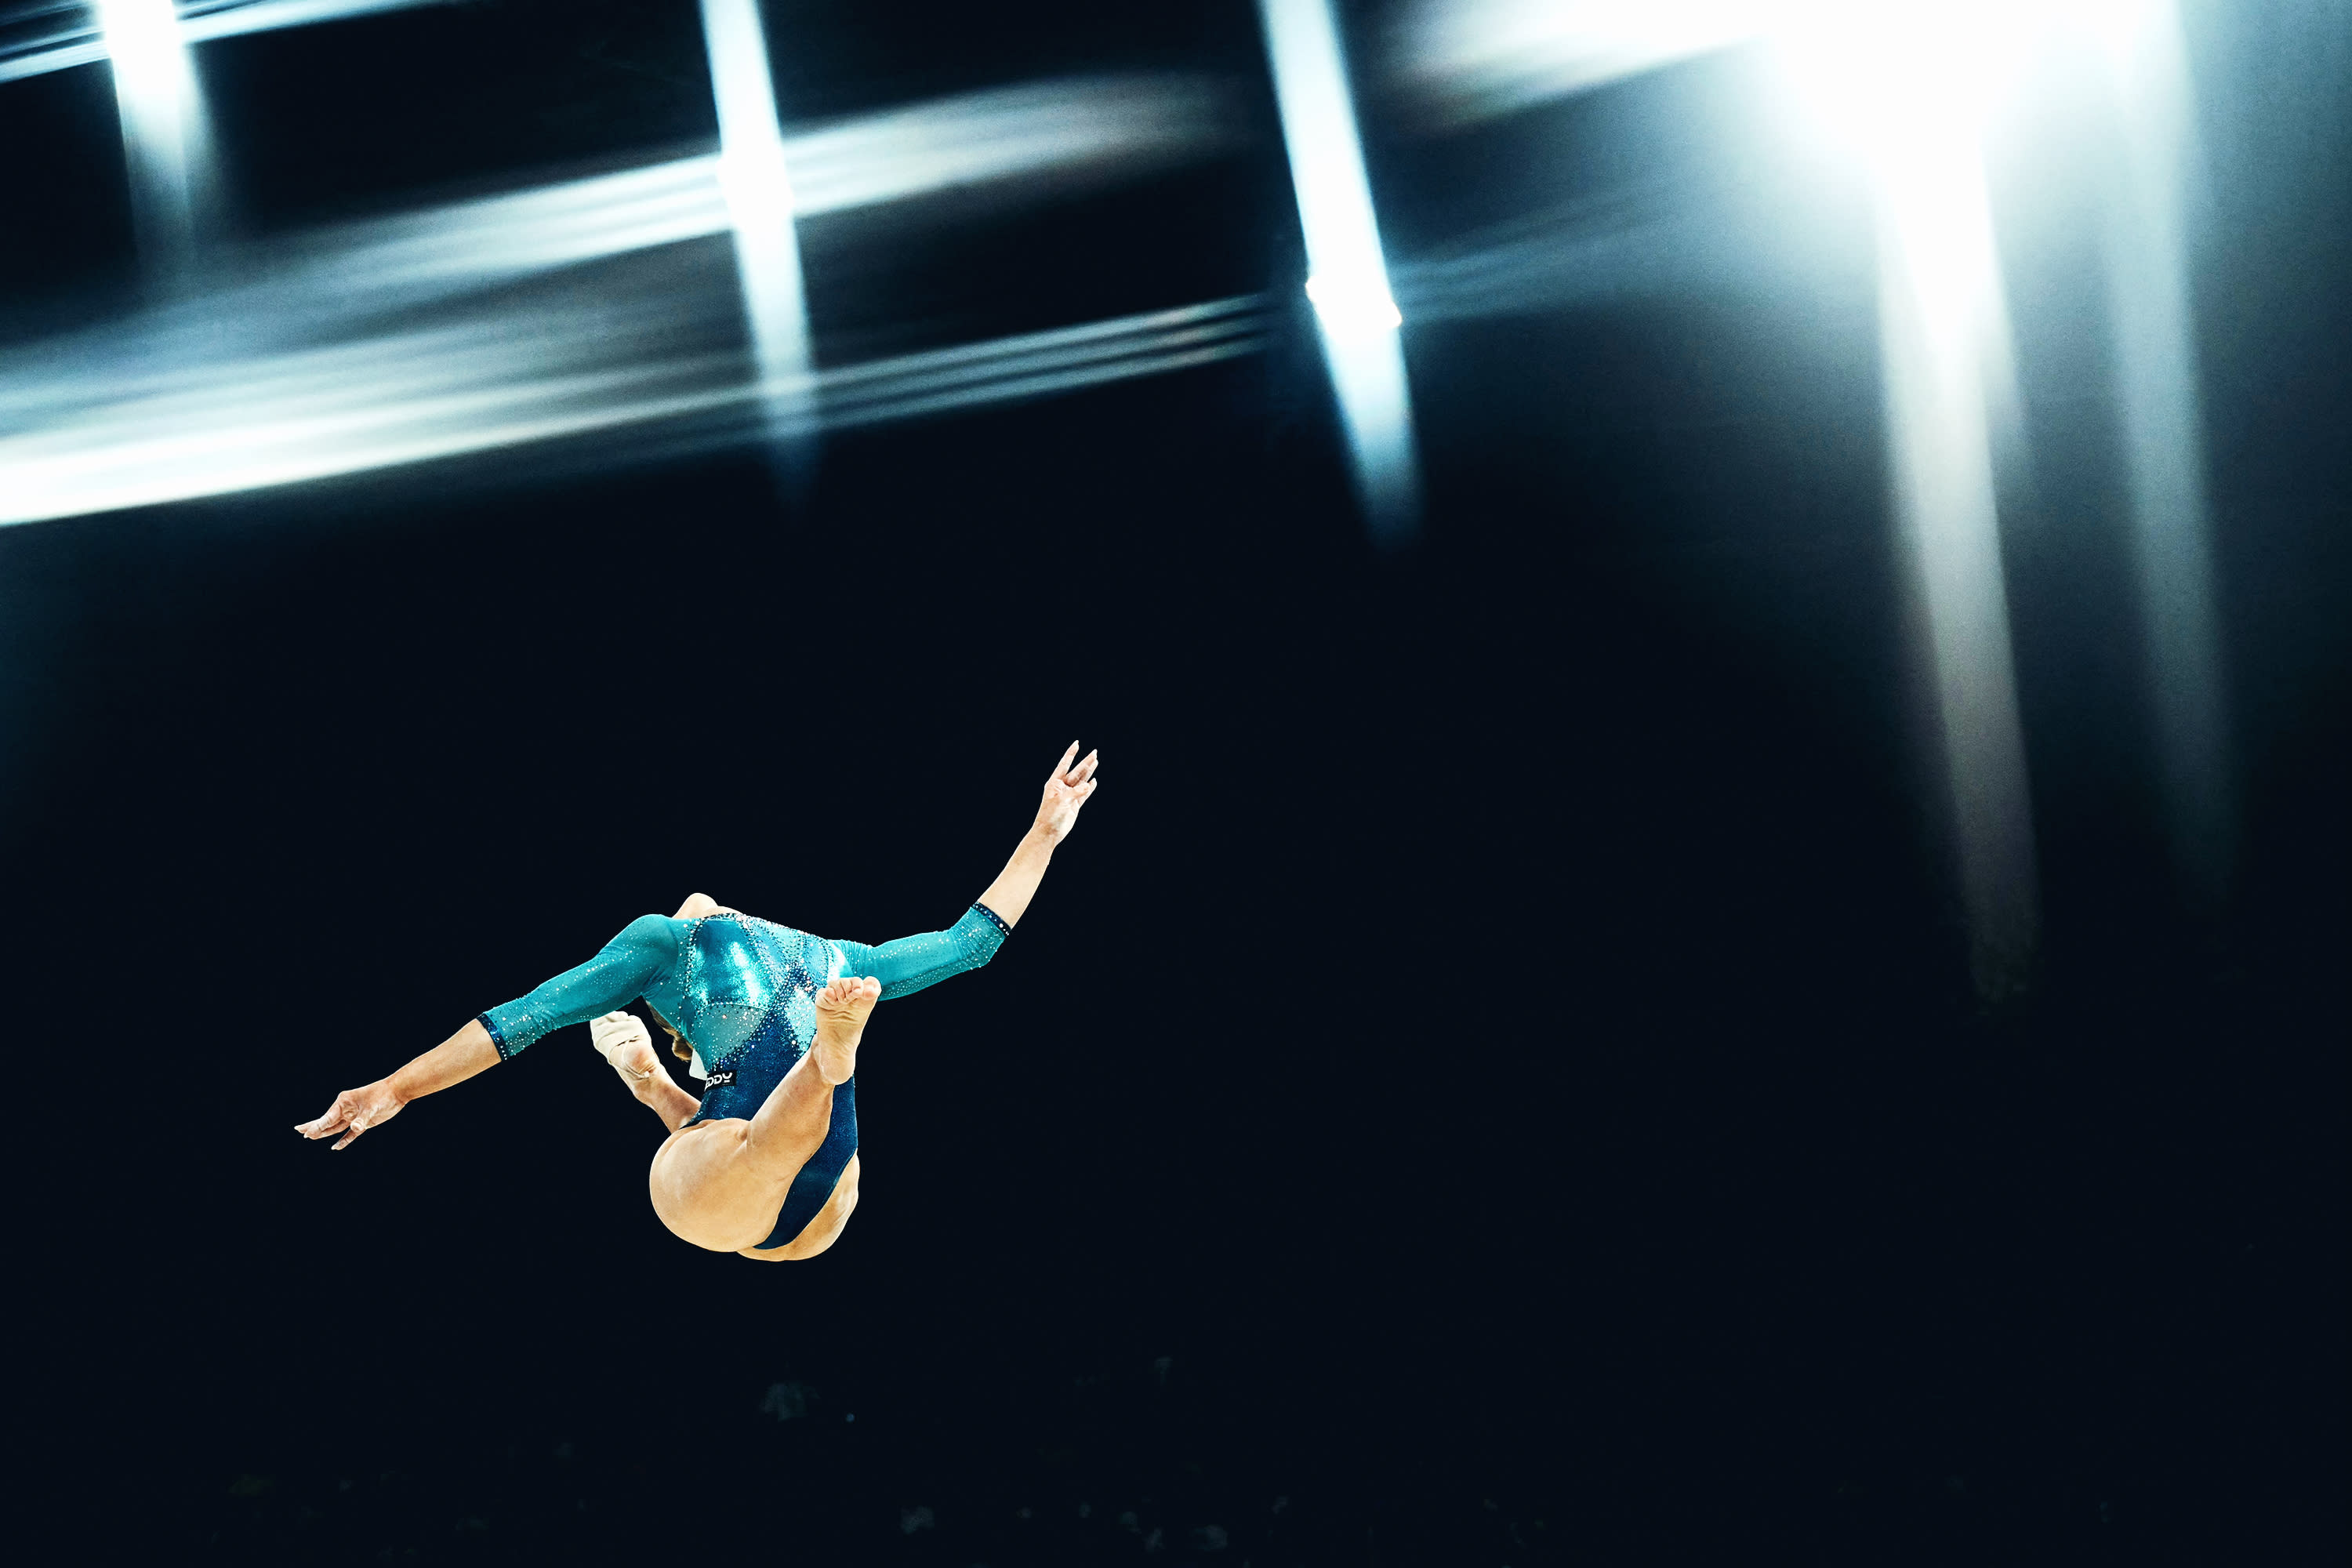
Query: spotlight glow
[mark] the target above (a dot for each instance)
(165, 135)
(639, 373)
(1353, 307)
(1471, 59)
(758, 190)
(1347, 281)
(1907, 86)
(2153, 331)
(64, 48)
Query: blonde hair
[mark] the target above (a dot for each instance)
(677, 1045)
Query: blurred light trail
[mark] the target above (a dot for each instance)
(1473, 59)
(1026, 141)
(1346, 282)
(645, 370)
(61, 48)
(1910, 85)
(754, 178)
(2146, 255)
(373, 322)
(166, 137)
(1668, 241)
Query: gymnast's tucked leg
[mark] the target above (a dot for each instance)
(720, 1184)
(823, 1230)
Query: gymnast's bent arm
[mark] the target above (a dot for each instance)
(1008, 897)
(911, 963)
(616, 975)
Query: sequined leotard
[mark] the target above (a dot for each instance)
(740, 990)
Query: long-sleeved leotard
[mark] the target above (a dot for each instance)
(740, 990)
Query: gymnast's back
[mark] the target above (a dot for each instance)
(725, 980)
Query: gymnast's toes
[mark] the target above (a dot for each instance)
(841, 1012)
(847, 1001)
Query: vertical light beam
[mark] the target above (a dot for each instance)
(165, 136)
(1910, 85)
(1937, 305)
(2163, 439)
(1346, 282)
(759, 192)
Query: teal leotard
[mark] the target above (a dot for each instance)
(741, 991)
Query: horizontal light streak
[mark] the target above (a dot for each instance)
(1471, 59)
(1027, 138)
(62, 49)
(333, 281)
(569, 367)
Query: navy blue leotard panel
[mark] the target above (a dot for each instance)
(741, 990)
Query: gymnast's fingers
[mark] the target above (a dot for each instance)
(1064, 766)
(362, 1120)
(1078, 774)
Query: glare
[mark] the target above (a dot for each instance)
(2154, 350)
(70, 45)
(642, 371)
(1471, 59)
(1348, 283)
(1906, 89)
(1353, 307)
(757, 183)
(1882, 73)
(165, 140)
(506, 323)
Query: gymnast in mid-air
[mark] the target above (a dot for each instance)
(765, 1164)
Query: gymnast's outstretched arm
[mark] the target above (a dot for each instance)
(605, 982)
(453, 1061)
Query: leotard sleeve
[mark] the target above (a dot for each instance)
(627, 967)
(907, 965)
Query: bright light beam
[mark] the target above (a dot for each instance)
(1471, 59)
(2163, 437)
(1910, 85)
(759, 191)
(64, 48)
(1347, 283)
(640, 372)
(165, 136)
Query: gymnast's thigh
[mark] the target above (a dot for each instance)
(822, 1229)
(710, 1190)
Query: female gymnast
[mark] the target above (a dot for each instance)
(765, 1164)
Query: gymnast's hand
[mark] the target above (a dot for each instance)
(1065, 793)
(354, 1112)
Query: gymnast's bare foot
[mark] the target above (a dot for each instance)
(841, 1010)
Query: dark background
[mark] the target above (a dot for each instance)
(1493, 1078)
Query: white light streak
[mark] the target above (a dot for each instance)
(1348, 282)
(165, 136)
(492, 324)
(1470, 59)
(757, 183)
(1026, 142)
(1907, 84)
(64, 48)
(641, 369)
(2163, 435)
